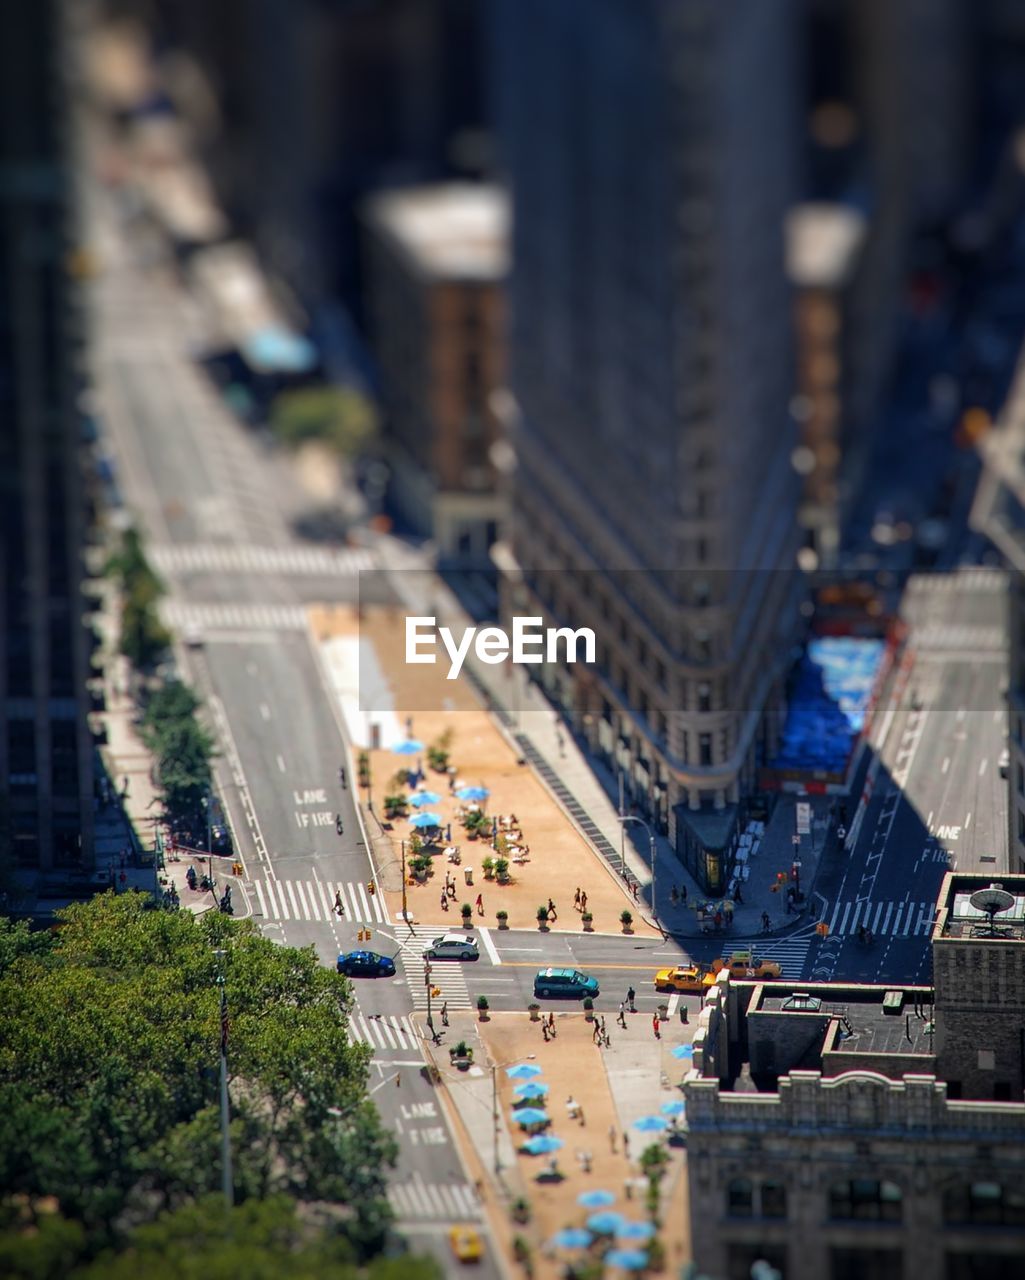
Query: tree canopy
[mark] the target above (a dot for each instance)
(183, 750)
(109, 1138)
(341, 417)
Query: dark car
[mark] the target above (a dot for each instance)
(220, 839)
(365, 964)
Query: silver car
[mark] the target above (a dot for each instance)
(452, 946)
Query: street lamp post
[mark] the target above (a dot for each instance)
(227, 1180)
(624, 818)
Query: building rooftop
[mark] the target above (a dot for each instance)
(451, 231)
(980, 907)
(822, 244)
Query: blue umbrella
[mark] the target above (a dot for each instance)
(596, 1199)
(424, 797)
(651, 1124)
(543, 1144)
(683, 1051)
(531, 1115)
(674, 1107)
(529, 1091)
(408, 748)
(424, 820)
(473, 793)
(571, 1238)
(636, 1231)
(523, 1071)
(628, 1259)
(605, 1223)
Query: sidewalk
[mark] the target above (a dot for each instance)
(612, 1087)
(586, 790)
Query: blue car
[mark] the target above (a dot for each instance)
(365, 964)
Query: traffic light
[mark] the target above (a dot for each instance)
(822, 929)
(363, 935)
(371, 888)
(435, 992)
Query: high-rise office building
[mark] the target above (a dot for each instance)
(45, 748)
(649, 149)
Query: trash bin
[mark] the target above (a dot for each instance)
(468, 873)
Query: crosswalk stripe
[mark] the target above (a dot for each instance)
(275, 910)
(364, 901)
(314, 900)
(435, 1196)
(874, 926)
(843, 922)
(445, 1200)
(886, 918)
(302, 899)
(259, 894)
(290, 890)
(325, 905)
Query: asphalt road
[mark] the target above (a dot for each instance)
(938, 801)
(210, 496)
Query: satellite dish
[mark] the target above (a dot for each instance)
(992, 901)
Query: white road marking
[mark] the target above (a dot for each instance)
(968, 820)
(264, 711)
(946, 764)
(489, 945)
(302, 899)
(960, 714)
(291, 897)
(281, 763)
(982, 767)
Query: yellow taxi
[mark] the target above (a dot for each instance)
(686, 978)
(466, 1244)
(746, 966)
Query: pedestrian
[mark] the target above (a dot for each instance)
(727, 910)
(655, 1027)
(580, 1114)
(341, 777)
(718, 920)
(444, 1014)
(585, 1160)
(612, 1138)
(339, 906)
(409, 726)
(738, 895)
(674, 895)
(551, 1023)
(765, 922)
(452, 888)
(622, 1015)
(480, 904)
(631, 997)
(683, 894)
(124, 785)
(552, 914)
(583, 902)
(544, 1029)
(595, 1032)
(636, 889)
(626, 1144)
(444, 901)
(602, 1024)
(561, 741)
(576, 898)
(124, 879)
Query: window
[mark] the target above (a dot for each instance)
(704, 697)
(685, 749)
(774, 1200)
(984, 1204)
(740, 1198)
(1021, 780)
(865, 1200)
(857, 1263)
(705, 749)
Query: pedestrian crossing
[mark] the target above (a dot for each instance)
(182, 616)
(385, 1031)
(448, 976)
(215, 557)
(447, 1201)
(959, 582)
(959, 635)
(789, 953)
(884, 919)
(315, 900)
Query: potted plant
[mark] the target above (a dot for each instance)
(437, 752)
(589, 1008)
(588, 921)
(626, 920)
(489, 868)
(415, 844)
(482, 1008)
(520, 1210)
(363, 769)
(461, 1055)
(663, 1013)
(542, 918)
(502, 870)
(421, 866)
(466, 911)
(503, 919)
(535, 1011)
(502, 845)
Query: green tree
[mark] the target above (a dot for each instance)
(143, 637)
(341, 417)
(108, 1083)
(183, 749)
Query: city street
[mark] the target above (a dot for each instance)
(219, 509)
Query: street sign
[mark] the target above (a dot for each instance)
(803, 818)
(796, 840)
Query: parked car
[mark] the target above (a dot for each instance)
(220, 838)
(365, 964)
(453, 946)
(687, 978)
(564, 982)
(1004, 762)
